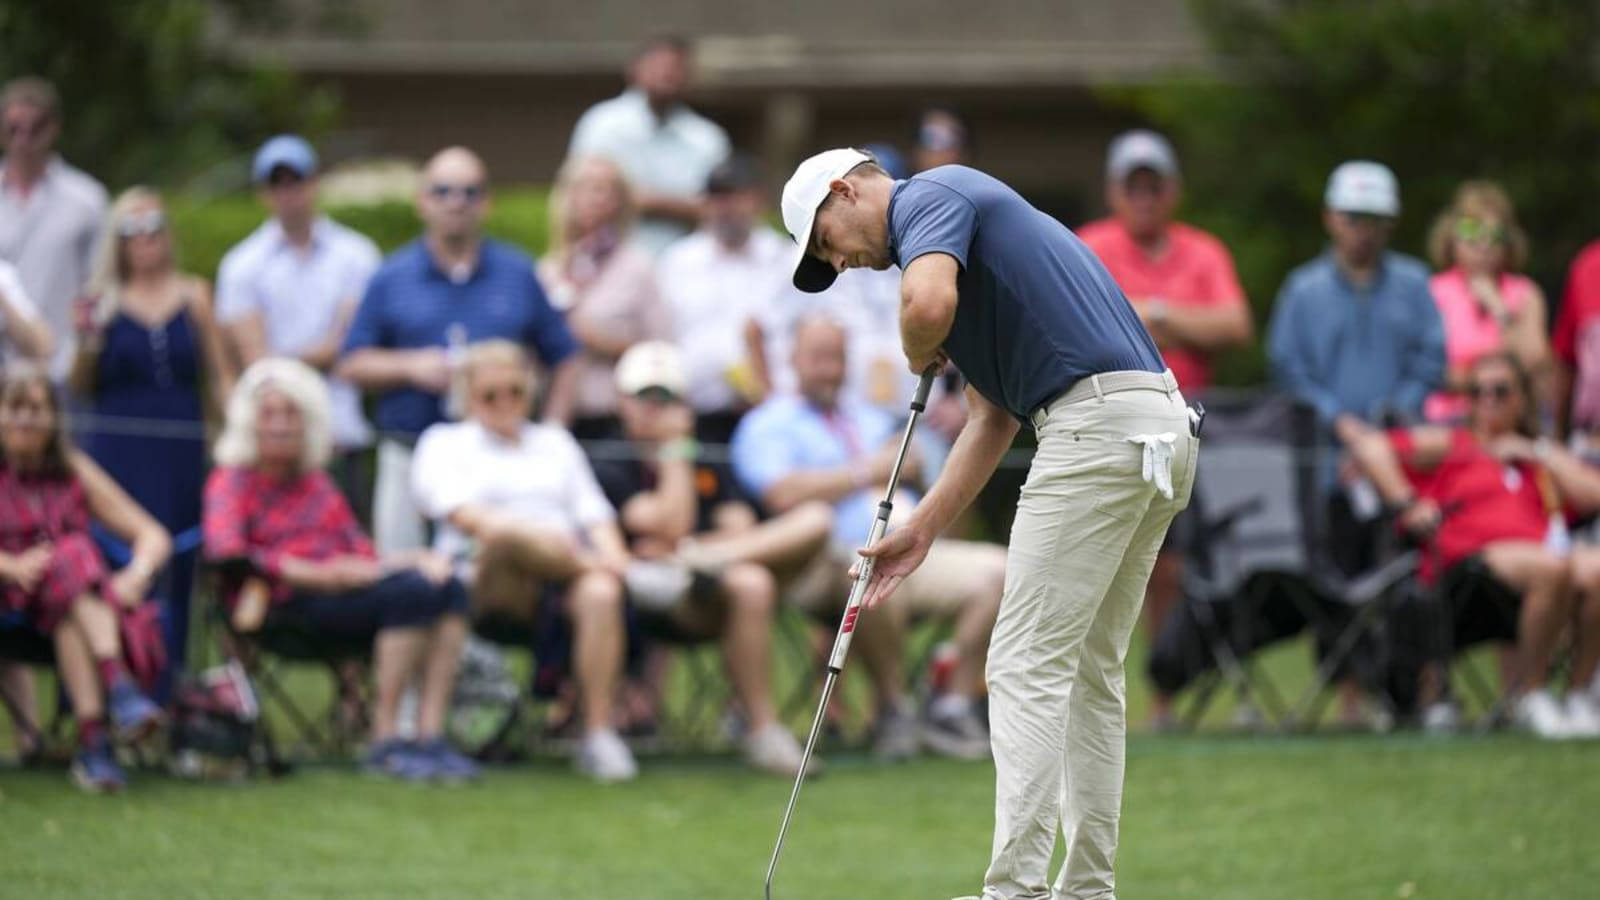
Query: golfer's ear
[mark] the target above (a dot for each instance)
(842, 188)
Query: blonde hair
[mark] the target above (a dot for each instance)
(304, 387)
(1478, 200)
(111, 263)
(561, 206)
(483, 355)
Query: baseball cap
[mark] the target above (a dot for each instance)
(1360, 186)
(290, 151)
(806, 190)
(652, 364)
(1140, 148)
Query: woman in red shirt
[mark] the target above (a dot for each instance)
(52, 572)
(1492, 491)
(281, 530)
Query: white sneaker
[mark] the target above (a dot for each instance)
(1540, 713)
(605, 758)
(1442, 717)
(1583, 714)
(772, 749)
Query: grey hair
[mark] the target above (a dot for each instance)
(304, 387)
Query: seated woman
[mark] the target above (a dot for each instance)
(517, 504)
(52, 572)
(277, 525)
(682, 514)
(1491, 494)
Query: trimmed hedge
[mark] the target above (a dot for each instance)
(207, 227)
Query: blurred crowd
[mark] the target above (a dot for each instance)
(647, 437)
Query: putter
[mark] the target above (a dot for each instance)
(852, 612)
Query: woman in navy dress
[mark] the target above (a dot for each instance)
(150, 362)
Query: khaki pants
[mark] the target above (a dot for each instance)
(1086, 535)
(397, 525)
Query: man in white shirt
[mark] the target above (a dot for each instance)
(23, 333)
(51, 214)
(516, 503)
(291, 288)
(665, 148)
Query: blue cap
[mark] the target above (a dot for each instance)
(288, 150)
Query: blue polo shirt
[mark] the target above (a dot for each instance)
(410, 303)
(1036, 309)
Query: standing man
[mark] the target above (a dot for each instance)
(1043, 335)
(50, 213)
(1182, 283)
(427, 302)
(666, 148)
(291, 289)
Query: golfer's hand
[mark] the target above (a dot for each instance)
(920, 365)
(896, 555)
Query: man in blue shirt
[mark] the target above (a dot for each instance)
(818, 445)
(431, 298)
(1044, 335)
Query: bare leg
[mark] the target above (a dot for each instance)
(974, 624)
(397, 654)
(98, 626)
(594, 603)
(785, 541)
(1543, 580)
(1586, 624)
(1162, 592)
(511, 564)
(447, 637)
(881, 640)
(747, 639)
(16, 682)
(76, 666)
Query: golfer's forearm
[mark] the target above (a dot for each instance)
(973, 458)
(925, 323)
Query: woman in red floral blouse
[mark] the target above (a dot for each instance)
(275, 520)
(52, 572)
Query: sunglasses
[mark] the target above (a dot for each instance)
(1360, 218)
(1473, 231)
(27, 129)
(282, 177)
(142, 224)
(492, 396)
(470, 193)
(1498, 390)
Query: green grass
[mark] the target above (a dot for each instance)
(1210, 816)
(1205, 817)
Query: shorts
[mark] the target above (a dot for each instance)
(953, 572)
(1481, 608)
(401, 600)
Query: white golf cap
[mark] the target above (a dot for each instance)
(1363, 187)
(1140, 149)
(804, 192)
(652, 364)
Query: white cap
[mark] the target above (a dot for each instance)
(804, 192)
(1363, 187)
(1140, 149)
(652, 364)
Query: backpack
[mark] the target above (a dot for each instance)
(214, 724)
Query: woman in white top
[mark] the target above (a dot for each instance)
(604, 283)
(516, 501)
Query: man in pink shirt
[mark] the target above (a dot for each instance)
(1182, 282)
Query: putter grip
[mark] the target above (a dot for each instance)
(924, 387)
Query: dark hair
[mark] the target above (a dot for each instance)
(31, 90)
(19, 377)
(865, 167)
(1528, 422)
(677, 43)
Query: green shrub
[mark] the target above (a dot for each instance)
(207, 226)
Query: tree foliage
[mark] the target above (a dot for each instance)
(149, 94)
(1440, 90)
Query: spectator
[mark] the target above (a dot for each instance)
(942, 140)
(1182, 283)
(23, 332)
(666, 148)
(149, 357)
(718, 284)
(1576, 344)
(50, 213)
(1492, 493)
(428, 300)
(602, 281)
(1355, 331)
(677, 510)
(1484, 301)
(275, 523)
(518, 503)
(291, 288)
(793, 450)
(52, 572)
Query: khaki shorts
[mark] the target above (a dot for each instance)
(953, 573)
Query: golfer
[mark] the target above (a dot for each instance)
(1043, 335)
